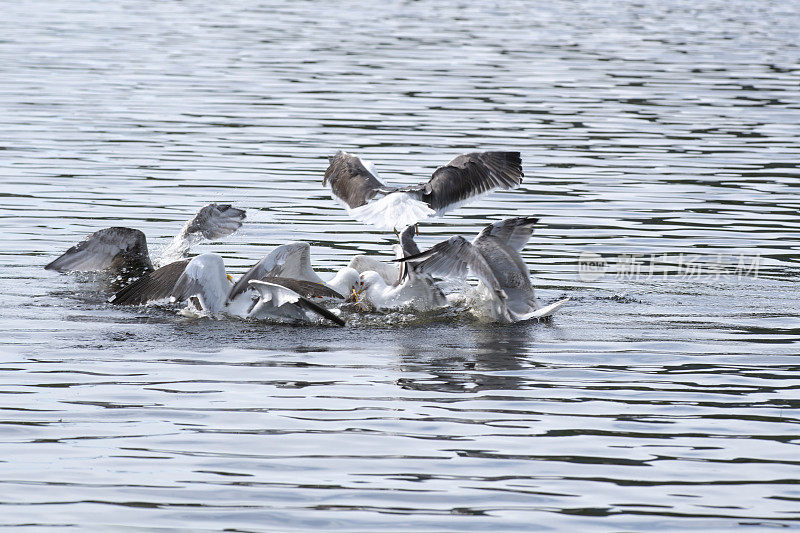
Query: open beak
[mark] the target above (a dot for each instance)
(230, 278)
(355, 297)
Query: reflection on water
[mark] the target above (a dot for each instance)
(654, 401)
(478, 362)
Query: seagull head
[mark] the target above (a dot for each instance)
(356, 292)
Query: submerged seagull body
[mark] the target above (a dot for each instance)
(494, 258)
(284, 281)
(356, 183)
(122, 252)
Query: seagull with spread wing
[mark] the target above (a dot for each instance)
(122, 252)
(283, 285)
(392, 286)
(356, 183)
(494, 258)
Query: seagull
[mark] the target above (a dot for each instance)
(286, 285)
(122, 252)
(387, 286)
(494, 258)
(356, 183)
(418, 292)
(283, 298)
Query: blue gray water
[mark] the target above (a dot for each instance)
(662, 136)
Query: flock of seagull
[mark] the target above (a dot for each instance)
(283, 286)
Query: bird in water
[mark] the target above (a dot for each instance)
(283, 285)
(356, 183)
(392, 286)
(494, 258)
(122, 252)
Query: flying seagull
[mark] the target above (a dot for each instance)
(122, 252)
(494, 258)
(356, 183)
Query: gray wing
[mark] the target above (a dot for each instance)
(515, 232)
(292, 260)
(306, 289)
(350, 181)
(108, 248)
(454, 258)
(407, 241)
(278, 294)
(470, 175)
(216, 221)
(155, 285)
(321, 311)
(204, 277)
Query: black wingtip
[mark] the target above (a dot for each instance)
(311, 306)
(409, 257)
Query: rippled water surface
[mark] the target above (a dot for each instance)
(662, 136)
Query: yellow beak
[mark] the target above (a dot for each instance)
(355, 297)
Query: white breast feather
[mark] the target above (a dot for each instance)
(397, 210)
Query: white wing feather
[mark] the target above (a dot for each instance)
(393, 211)
(292, 260)
(204, 277)
(272, 295)
(542, 312)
